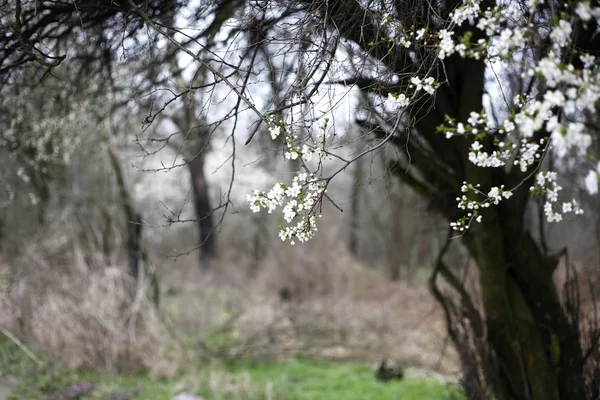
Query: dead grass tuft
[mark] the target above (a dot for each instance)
(80, 312)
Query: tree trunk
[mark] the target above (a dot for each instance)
(396, 234)
(2, 231)
(107, 231)
(203, 211)
(538, 350)
(41, 184)
(135, 251)
(355, 196)
(133, 219)
(260, 246)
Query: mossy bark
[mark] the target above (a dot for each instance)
(537, 348)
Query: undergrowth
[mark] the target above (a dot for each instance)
(293, 379)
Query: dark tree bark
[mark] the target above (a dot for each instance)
(106, 236)
(133, 219)
(395, 242)
(195, 143)
(203, 211)
(537, 348)
(355, 197)
(195, 146)
(134, 250)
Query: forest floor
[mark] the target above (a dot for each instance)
(342, 312)
(235, 337)
(292, 379)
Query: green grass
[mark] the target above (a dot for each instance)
(304, 379)
(294, 379)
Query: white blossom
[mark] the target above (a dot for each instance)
(584, 11)
(495, 195)
(397, 101)
(405, 42)
(588, 61)
(275, 131)
(546, 123)
(561, 34)
(33, 199)
(591, 182)
(446, 44)
(528, 155)
(554, 98)
(292, 154)
(468, 10)
(307, 153)
(23, 175)
(551, 214)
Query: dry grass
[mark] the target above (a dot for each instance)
(337, 308)
(77, 310)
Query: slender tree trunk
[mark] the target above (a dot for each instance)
(203, 211)
(41, 183)
(355, 197)
(135, 251)
(259, 244)
(396, 233)
(195, 143)
(106, 235)
(133, 219)
(2, 231)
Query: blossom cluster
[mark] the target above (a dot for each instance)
(473, 200)
(300, 200)
(546, 184)
(545, 123)
(399, 101)
(536, 124)
(303, 152)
